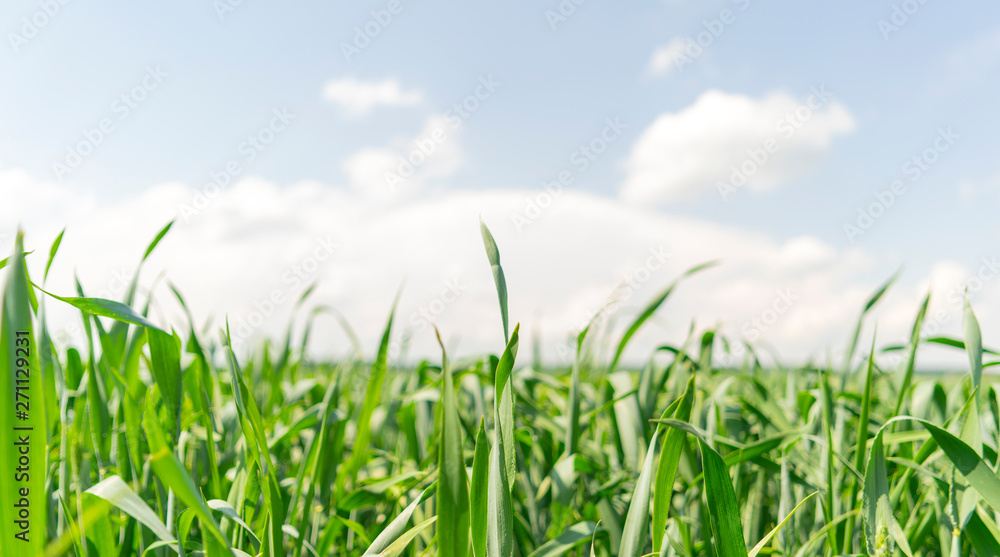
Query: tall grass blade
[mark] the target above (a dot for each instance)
(666, 468)
(479, 494)
(637, 520)
(23, 431)
(876, 509)
(504, 393)
(499, 510)
(453, 489)
(493, 254)
(373, 393)
(973, 344)
(911, 355)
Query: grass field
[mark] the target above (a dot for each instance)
(139, 444)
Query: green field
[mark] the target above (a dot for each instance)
(139, 444)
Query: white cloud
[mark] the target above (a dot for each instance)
(399, 171)
(662, 62)
(683, 153)
(359, 97)
(259, 237)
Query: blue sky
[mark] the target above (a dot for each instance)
(561, 80)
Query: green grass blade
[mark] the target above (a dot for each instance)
(983, 534)
(666, 469)
(397, 547)
(115, 491)
(397, 528)
(499, 511)
(723, 509)
(504, 392)
(156, 240)
(165, 366)
(973, 344)
(479, 492)
(452, 486)
(968, 462)
(872, 300)
(911, 356)
(876, 508)
(373, 393)
(571, 538)
(493, 254)
(637, 520)
(830, 508)
(860, 447)
(52, 254)
(23, 431)
(650, 309)
(106, 308)
(573, 404)
(760, 545)
(172, 473)
(229, 512)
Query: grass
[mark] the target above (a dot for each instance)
(139, 444)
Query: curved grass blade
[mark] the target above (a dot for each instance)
(650, 309)
(106, 308)
(911, 356)
(229, 512)
(115, 491)
(493, 254)
(573, 537)
(875, 297)
(397, 527)
(666, 469)
(156, 240)
(723, 510)
(252, 425)
(52, 254)
(172, 473)
(396, 548)
(760, 545)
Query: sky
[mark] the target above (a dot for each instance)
(814, 149)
